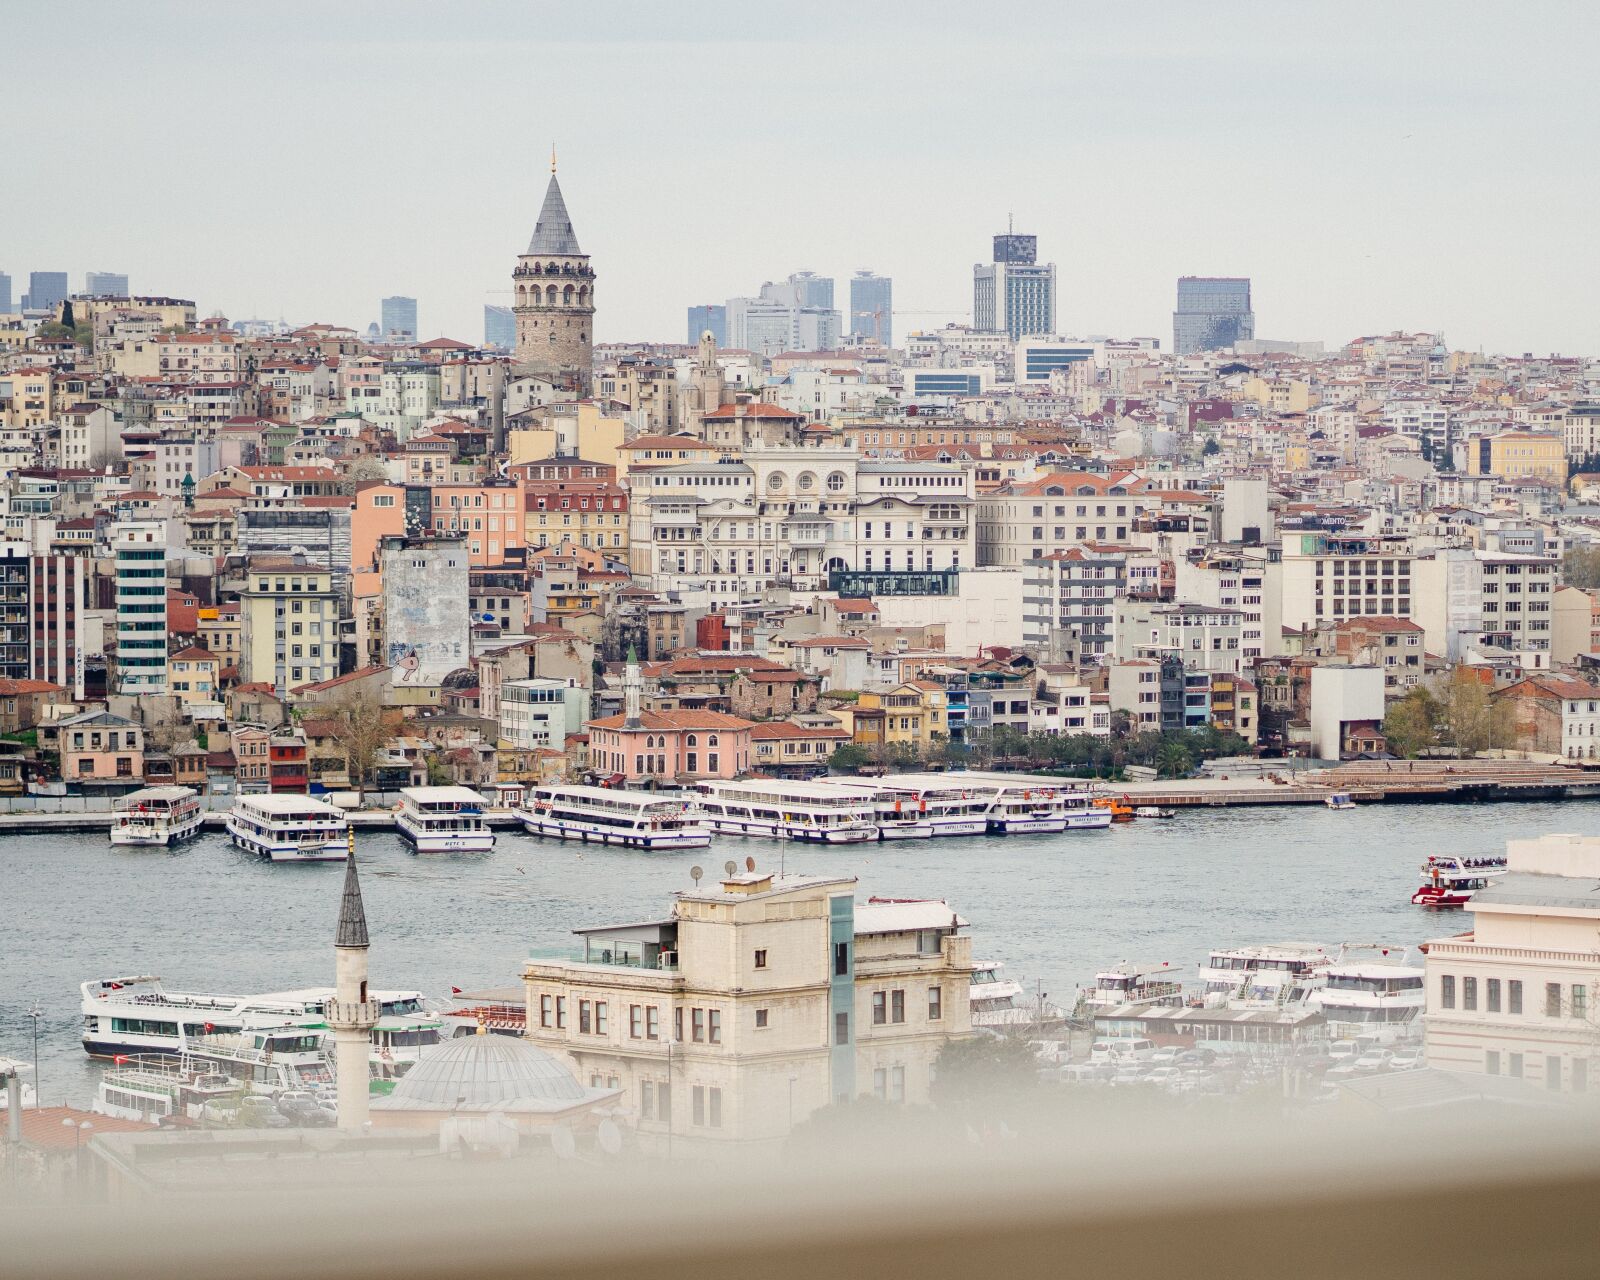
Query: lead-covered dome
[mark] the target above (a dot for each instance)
(486, 1073)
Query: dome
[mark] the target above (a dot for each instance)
(486, 1073)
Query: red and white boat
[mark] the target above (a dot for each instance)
(1449, 880)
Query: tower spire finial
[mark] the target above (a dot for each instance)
(552, 157)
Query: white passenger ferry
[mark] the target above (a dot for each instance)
(287, 828)
(1450, 880)
(137, 1015)
(159, 1089)
(1269, 977)
(994, 1000)
(1126, 984)
(605, 815)
(158, 816)
(444, 820)
(912, 805)
(268, 1059)
(1023, 804)
(804, 811)
(1372, 990)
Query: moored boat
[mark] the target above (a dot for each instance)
(157, 816)
(1154, 811)
(609, 815)
(443, 820)
(1269, 977)
(1128, 984)
(810, 812)
(289, 828)
(1339, 800)
(930, 803)
(1024, 804)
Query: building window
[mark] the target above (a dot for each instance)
(583, 1017)
(1580, 1001)
(714, 1101)
(761, 1019)
(1491, 1062)
(1515, 1065)
(561, 1013)
(880, 1084)
(652, 1023)
(1492, 995)
(841, 959)
(714, 1026)
(935, 1003)
(1513, 995)
(647, 1101)
(897, 1006)
(841, 1028)
(1447, 991)
(600, 1024)
(1469, 993)
(699, 1023)
(761, 959)
(546, 1010)
(699, 1096)
(897, 1084)
(664, 1101)
(880, 1008)
(635, 1022)
(677, 1025)
(1552, 999)
(1552, 1072)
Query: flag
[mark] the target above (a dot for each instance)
(455, 991)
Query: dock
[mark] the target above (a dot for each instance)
(1380, 782)
(99, 821)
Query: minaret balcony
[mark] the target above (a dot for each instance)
(353, 1015)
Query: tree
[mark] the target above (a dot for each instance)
(1467, 715)
(360, 471)
(849, 758)
(1411, 725)
(983, 1072)
(1173, 759)
(359, 730)
(1211, 446)
(1581, 568)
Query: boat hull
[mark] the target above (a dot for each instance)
(1090, 820)
(1027, 826)
(549, 828)
(148, 839)
(334, 849)
(959, 826)
(800, 835)
(905, 830)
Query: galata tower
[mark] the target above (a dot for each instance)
(553, 285)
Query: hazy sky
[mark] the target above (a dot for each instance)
(1369, 165)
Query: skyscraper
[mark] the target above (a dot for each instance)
(399, 321)
(499, 327)
(554, 288)
(1213, 313)
(1014, 294)
(872, 307)
(46, 290)
(105, 284)
(5, 294)
(710, 318)
(812, 290)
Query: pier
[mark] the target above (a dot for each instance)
(1380, 782)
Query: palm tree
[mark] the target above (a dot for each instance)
(1173, 759)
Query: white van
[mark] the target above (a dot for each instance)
(1121, 1049)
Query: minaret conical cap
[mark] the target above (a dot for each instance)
(553, 233)
(352, 915)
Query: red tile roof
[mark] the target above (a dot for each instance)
(657, 721)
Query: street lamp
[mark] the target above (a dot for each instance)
(36, 1013)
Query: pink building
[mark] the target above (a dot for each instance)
(488, 516)
(670, 745)
(101, 747)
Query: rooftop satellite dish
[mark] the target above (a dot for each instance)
(563, 1143)
(730, 868)
(609, 1136)
(749, 864)
(695, 873)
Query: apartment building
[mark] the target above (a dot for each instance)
(1514, 996)
(755, 1001)
(1024, 520)
(1333, 576)
(140, 549)
(289, 624)
(1070, 596)
(1499, 599)
(1203, 637)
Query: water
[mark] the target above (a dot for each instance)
(1052, 908)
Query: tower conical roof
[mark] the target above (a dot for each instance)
(553, 232)
(352, 915)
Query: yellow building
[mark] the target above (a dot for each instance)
(757, 1000)
(1522, 455)
(575, 429)
(1281, 395)
(27, 398)
(914, 712)
(193, 675)
(290, 624)
(219, 630)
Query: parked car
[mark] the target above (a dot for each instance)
(257, 1112)
(1406, 1060)
(1166, 1076)
(1374, 1060)
(1166, 1056)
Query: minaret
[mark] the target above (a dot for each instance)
(351, 1015)
(553, 292)
(632, 689)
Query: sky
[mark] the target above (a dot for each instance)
(1370, 166)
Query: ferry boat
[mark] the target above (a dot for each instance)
(268, 1059)
(1372, 989)
(137, 1015)
(1449, 880)
(1339, 800)
(287, 828)
(993, 999)
(946, 807)
(1022, 804)
(159, 816)
(1126, 984)
(1270, 977)
(897, 815)
(162, 1090)
(603, 815)
(444, 820)
(804, 811)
